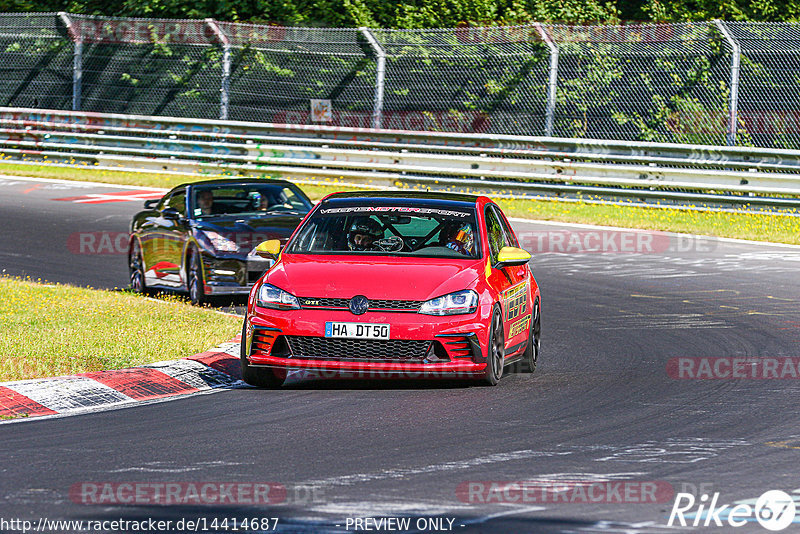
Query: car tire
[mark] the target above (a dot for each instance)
(495, 350)
(262, 377)
(195, 282)
(136, 269)
(532, 350)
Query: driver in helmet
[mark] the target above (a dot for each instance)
(363, 233)
(459, 237)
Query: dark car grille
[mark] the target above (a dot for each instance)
(253, 276)
(398, 305)
(411, 305)
(392, 350)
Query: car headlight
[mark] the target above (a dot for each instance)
(276, 298)
(451, 304)
(220, 242)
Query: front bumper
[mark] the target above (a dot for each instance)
(226, 289)
(420, 346)
(232, 276)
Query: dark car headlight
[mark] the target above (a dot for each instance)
(222, 243)
(219, 242)
(456, 303)
(276, 298)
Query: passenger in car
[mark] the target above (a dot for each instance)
(205, 201)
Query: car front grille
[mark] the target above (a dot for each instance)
(344, 304)
(391, 350)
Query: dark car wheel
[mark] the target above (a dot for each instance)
(262, 377)
(136, 267)
(532, 351)
(495, 352)
(196, 282)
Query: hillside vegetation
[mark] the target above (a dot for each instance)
(426, 13)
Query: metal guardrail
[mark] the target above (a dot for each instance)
(475, 162)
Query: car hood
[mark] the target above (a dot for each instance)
(374, 277)
(248, 232)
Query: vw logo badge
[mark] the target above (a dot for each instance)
(359, 304)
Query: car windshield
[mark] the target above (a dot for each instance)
(395, 230)
(247, 200)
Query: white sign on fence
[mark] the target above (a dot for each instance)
(321, 110)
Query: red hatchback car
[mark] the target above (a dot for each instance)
(394, 284)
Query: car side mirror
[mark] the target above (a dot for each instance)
(268, 249)
(171, 214)
(512, 256)
(150, 204)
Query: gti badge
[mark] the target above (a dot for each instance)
(359, 304)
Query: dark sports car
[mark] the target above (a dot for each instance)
(199, 237)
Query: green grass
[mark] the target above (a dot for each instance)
(10, 417)
(52, 330)
(779, 229)
(140, 179)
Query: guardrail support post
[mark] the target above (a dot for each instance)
(380, 76)
(733, 118)
(77, 61)
(552, 84)
(224, 98)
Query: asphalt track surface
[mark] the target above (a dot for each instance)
(601, 406)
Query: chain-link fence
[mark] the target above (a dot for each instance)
(711, 83)
(36, 61)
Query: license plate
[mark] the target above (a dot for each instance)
(357, 330)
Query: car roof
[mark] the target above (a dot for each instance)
(240, 180)
(415, 197)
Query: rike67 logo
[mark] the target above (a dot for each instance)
(774, 510)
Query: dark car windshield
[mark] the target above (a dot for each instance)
(410, 230)
(249, 199)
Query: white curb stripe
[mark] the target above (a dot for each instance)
(68, 393)
(194, 373)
